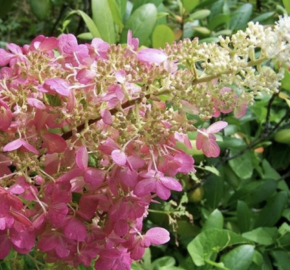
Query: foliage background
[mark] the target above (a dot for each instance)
(234, 212)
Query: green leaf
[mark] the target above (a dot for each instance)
(268, 171)
(272, 211)
(216, 9)
(254, 192)
(87, 36)
(116, 12)
(40, 8)
(122, 6)
(214, 188)
(262, 236)
(244, 216)
(218, 20)
(162, 34)
(189, 5)
(241, 165)
(139, 3)
(214, 221)
(88, 21)
(286, 4)
(241, 17)
(282, 259)
(6, 5)
(240, 258)
(103, 19)
(264, 16)
(164, 261)
(200, 14)
(210, 242)
(141, 22)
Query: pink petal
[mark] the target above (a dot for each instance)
(5, 118)
(34, 102)
(5, 244)
(67, 44)
(82, 158)
(132, 42)
(119, 157)
(171, 183)
(14, 48)
(16, 144)
(151, 56)
(145, 186)
(54, 143)
(162, 191)
(107, 117)
(200, 138)
(75, 230)
(240, 111)
(216, 127)
(59, 86)
(157, 236)
(210, 148)
(94, 176)
(5, 57)
(186, 162)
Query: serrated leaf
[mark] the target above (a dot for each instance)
(103, 19)
(240, 258)
(162, 34)
(241, 17)
(141, 22)
(273, 210)
(89, 23)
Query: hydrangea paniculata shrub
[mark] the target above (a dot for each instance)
(88, 135)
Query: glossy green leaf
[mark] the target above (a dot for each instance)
(210, 242)
(189, 5)
(273, 210)
(264, 16)
(139, 3)
(103, 19)
(241, 165)
(241, 17)
(164, 261)
(282, 259)
(218, 20)
(254, 193)
(200, 14)
(240, 258)
(89, 23)
(141, 22)
(216, 9)
(286, 4)
(122, 6)
(214, 187)
(162, 34)
(262, 236)
(243, 216)
(116, 12)
(214, 221)
(230, 177)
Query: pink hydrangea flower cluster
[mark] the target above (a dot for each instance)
(86, 146)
